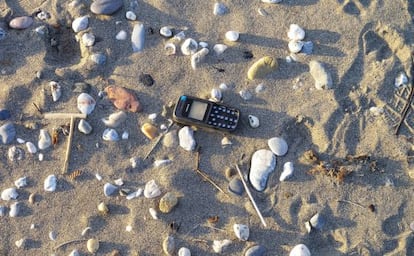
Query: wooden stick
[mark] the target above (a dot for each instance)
(250, 196)
(69, 242)
(66, 164)
(63, 115)
(158, 140)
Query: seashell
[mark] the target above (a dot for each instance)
(323, 79)
(50, 183)
(225, 141)
(220, 245)
(153, 213)
(220, 9)
(271, 1)
(223, 87)
(168, 202)
(149, 130)
(32, 198)
(74, 253)
(128, 228)
(168, 245)
(278, 146)
(110, 135)
(134, 161)
(152, 117)
(125, 135)
(151, 189)
(7, 133)
(31, 148)
(241, 231)
(256, 250)
(135, 194)
(9, 194)
(85, 103)
(166, 32)
(183, 251)
(130, 15)
(44, 140)
(92, 245)
(170, 49)
(56, 90)
(232, 36)
(170, 139)
(109, 189)
(262, 165)
(295, 46)
(52, 235)
(219, 48)
(115, 119)
(203, 44)
(253, 121)
(401, 80)
(307, 47)
(138, 37)
(21, 243)
(15, 153)
(189, 46)
(158, 163)
(106, 7)
(80, 23)
(316, 222)
(123, 99)
(85, 231)
(287, 171)
(186, 138)
(20, 140)
(22, 22)
(300, 250)
(262, 11)
(21, 182)
(103, 208)
(98, 176)
(41, 157)
(121, 35)
(119, 182)
(14, 209)
(259, 88)
(88, 39)
(3, 210)
(84, 127)
(376, 111)
(262, 68)
(216, 95)
(198, 58)
(295, 32)
(236, 186)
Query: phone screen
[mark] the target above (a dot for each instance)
(197, 110)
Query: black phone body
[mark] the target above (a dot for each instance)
(206, 114)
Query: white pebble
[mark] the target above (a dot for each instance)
(219, 48)
(80, 24)
(189, 46)
(122, 35)
(21, 182)
(20, 140)
(14, 209)
(253, 121)
(295, 32)
(153, 213)
(50, 183)
(130, 15)
(300, 250)
(287, 171)
(128, 228)
(98, 176)
(203, 44)
(186, 138)
(232, 36)
(166, 32)
(138, 38)
(88, 39)
(9, 194)
(31, 148)
(125, 135)
(278, 146)
(135, 194)
(119, 182)
(41, 157)
(151, 189)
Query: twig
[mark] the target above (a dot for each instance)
(37, 108)
(250, 196)
(158, 140)
(66, 163)
(218, 229)
(69, 242)
(353, 203)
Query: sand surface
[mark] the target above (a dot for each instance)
(364, 44)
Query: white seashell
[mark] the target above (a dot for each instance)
(125, 135)
(122, 35)
(219, 48)
(88, 39)
(21, 243)
(262, 11)
(223, 87)
(20, 140)
(84, 127)
(262, 165)
(168, 245)
(271, 1)
(74, 253)
(295, 46)
(260, 88)
(401, 80)
(109, 189)
(21, 182)
(198, 57)
(152, 117)
(170, 48)
(183, 251)
(56, 90)
(288, 59)
(189, 46)
(110, 135)
(241, 231)
(52, 235)
(135, 194)
(85, 103)
(3, 210)
(80, 24)
(153, 213)
(287, 171)
(115, 119)
(44, 140)
(216, 95)
(186, 138)
(14, 209)
(158, 163)
(246, 95)
(128, 228)
(130, 15)
(232, 36)
(138, 38)
(278, 146)
(41, 157)
(85, 231)
(203, 44)
(9, 194)
(166, 32)
(253, 121)
(134, 161)
(376, 111)
(295, 32)
(225, 141)
(98, 176)
(119, 182)
(220, 245)
(31, 148)
(300, 250)
(151, 189)
(50, 183)
(179, 36)
(220, 9)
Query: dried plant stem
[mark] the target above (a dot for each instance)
(67, 156)
(158, 140)
(70, 242)
(353, 203)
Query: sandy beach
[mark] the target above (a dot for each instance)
(351, 145)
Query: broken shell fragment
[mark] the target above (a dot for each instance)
(56, 90)
(153, 213)
(189, 46)
(151, 189)
(254, 121)
(110, 135)
(198, 58)
(138, 38)
(166, 32)
(220, 245)
(85, 103)
(170, 49)
(93, 245)
(287, 171)
(316, 222)
(123, 99)
(241, 231)
(50, 183)
(84, 127)
(149, 130)
(115, 119)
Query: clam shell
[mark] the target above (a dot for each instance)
(138, 38)
(262, 165)
(189, 46)
(122, 35)
(170, 48)
(253, 121)
(183, 251)
(295, 46)
(110, 135)
(278, 146)
(80, 24)
(84, 127)
(31, 148)
(88, 39)
(115, 119)
(151, 189)
(186, 138)
(232, 36)
(14, 209)
(287, 171)
(130, 15)
(85, 103)
(44, 140)
(56, 90)
(92, 245)
(149, 130)
(166, 32)
(295, 32)
(9, 194)
(219, 48)
(21, 182)
(50, 183)
(241, 231)
(300, 250)
(198, 58)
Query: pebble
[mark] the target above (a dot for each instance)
(21, 182)
(300, 250)
(106, 7)
(149, 130)
(236, 186)
(262, 67)
(203, 44)
(295, 32)
(110, 135)
(166, 32)
(123, 99)
(92, 245)
(168, 245)
(21, 243)
(9, 194)
(287, 171)
(103, 208)
(41, 157)
(295, 46)
(271, 1)
(138, 37)
(80, 23)
(4, 114)
(189, 46)
(84, 127)
(110, 189)
(232, 36)
(278, 146)
(56, 90)
(256, 250)
(15, 153)
(186, 138)
(253, 121)
(85, 103)
(98, 58)
(241, 231)
(219, 48)
(220, 9)
(7, 133)
(14, 209)
(44, 140)
(198, 58)
(125, 135)
(170, 139)
(130, 15)
(151, 189)
(316, 222)
(153, 213)
(246, 94)
(22, 22)
(183, 251)
(134, 194)
(323, 79)
(50, 183)
(121, 35)
(88, 39)
(81, 87)
(115, 119)
(168, 202)
(146, 79)
(220, 245)
(262, 165)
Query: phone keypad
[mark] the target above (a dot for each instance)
(223, 117)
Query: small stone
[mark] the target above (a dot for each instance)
(98, 58)
(80, 24)
(166, 32)
(50, 183)
(262, 165)
(85, 103)
(22, 22)
(186, 138)
(146, 79)
(262, 68)
(256, 250)
(84, 127)
(92, 245)
(183, 251)
(232, 36)
(236, 186)
(189, 46)
(14, 209)
(109, 189)
(260, 88)
(7, 133)
(88, 39)
(110, 135)
(125, 135)
(21, 243)
(278, 146)
(4, 114)
(203, 44)
(168, 202)
(15, 153)
(130, 15)
(241, 231)
(45, 140)
(254, 121)
(323, 79)
(300, 250)
(295, 32)
(168, 245)
(122, 35)
(219, 48)
(220, 9)
(220, 245)
(198, 58)
(106, 7)
(170, 139)
(153, 213)
(21, 182)
(123, 99)
(9, 194)
(149, 130)
(316, 222)
(138, 38)
(151, 189)
(226, 142)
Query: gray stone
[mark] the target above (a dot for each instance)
(236, 186)
(220, 9)
(110, 189)
(21, 22)
(278, 146)
(7, 133)
(98, 58)
(106, 7)
(323, 79)
(256, 250)
(262, 165)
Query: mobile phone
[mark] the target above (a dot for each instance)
(206, 114)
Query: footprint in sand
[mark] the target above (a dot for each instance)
(355, 7)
